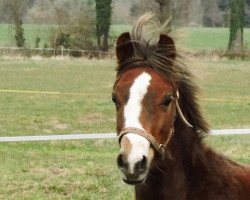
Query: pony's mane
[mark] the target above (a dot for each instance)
(168, 62)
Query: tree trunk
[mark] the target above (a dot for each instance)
(105, 42)
(98, 36)
(181, 12)
(165, 10)
(235, 46)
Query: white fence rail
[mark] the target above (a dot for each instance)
(101, 136)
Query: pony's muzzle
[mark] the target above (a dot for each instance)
(133, 174)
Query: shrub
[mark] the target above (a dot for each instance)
(76, 35)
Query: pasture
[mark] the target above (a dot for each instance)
(196, 39)
(62, 96)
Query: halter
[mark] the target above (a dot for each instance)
(160, 148)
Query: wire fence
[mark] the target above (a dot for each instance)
(46, 52)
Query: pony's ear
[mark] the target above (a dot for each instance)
(167, 45)
(124, 47)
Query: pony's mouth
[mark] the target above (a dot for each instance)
(132, 182)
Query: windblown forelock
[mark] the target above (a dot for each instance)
(147, 51)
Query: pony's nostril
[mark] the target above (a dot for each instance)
(120, 161)
(141, 165)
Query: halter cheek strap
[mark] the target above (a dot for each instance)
(180, 112)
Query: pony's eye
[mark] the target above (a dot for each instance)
(114, 99)
(167, 100)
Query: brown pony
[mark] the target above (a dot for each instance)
(160, 126)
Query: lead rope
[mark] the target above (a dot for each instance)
(180, 112)
(163, 147)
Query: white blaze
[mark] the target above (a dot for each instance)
(132, 112)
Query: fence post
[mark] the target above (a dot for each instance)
(62, 50)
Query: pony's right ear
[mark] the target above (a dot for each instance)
(124, 47)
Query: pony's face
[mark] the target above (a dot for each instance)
(144, 100)
(144, 104)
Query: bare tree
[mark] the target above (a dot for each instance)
(61, 13)
(165, 9)
(121, 14)
(74, 30)
(140, 7)
(181, 11)
(212, 17)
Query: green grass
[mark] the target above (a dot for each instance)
(6, 34)
(31, 31)
(54, 113)
(86, 169)
(196, 39)
(80, 169)
(229, 81)
(210, 38)
(236, 147)
(92, 109)
(61, 170)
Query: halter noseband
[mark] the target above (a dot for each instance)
(160, 148)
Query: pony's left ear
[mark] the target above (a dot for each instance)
(124, 47)
(167, 45)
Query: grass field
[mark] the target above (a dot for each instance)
(87, 169)
(195, 38)
(79, 169)
(91, 110)
(211, 38)
(31, 31)
(35, 114)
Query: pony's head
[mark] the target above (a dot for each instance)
(146, 109)
(146, 94)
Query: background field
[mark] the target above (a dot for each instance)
(79, 169)
(61, 96)
(84, 105)
(87, 169)
(196, 39)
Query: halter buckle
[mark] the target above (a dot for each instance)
(161, 149)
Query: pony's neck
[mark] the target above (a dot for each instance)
(169, 177)
(188, 172)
